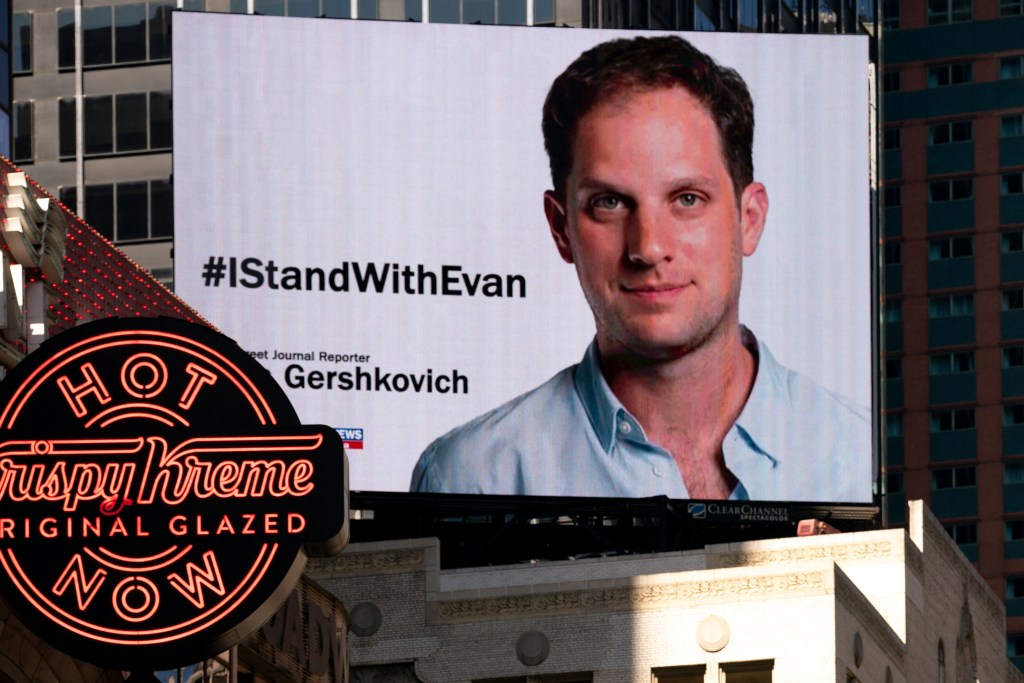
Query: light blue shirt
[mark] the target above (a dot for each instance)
(793, 441)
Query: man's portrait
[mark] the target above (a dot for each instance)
(655, 204)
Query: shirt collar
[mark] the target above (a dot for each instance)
(757, 422)
(755, 426)
(607, 415)
(753, 444)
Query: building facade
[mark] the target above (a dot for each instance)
(953, 251)
(880, 606)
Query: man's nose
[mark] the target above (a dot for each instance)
(647, 237)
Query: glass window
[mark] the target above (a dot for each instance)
(161, 209)
(160, 28)
(952, 420)
(130, 33)
(891, 81)
(954, 478)
(747, 672)
(1014, 587)
(132, 211)
(99, 124)
(949, 74)
(99, 208)
(951, 305)
(1013, 299)
(1011, 242)
(893, 368)
(511, 12)
(1014, 530)
(1011, 67)
(1012, 183)
(894, 482)
(303, 8)
(98, 35)
(951, 190)
(1011, 126)
(544, 12)
(1011, 8)
(948, 11)
(950, 247)
(893, 310)
(894, 424)
(160, 119)
(1013, 472)
(22, 43)
(890, 14)
(131, 122)
(893, 253)
(684, 674)
(478, 11)
(444, 11)
(69, 197)
(367, 9)
(950, 131)
(891, 138)
(65, 38)
(66, 123)
(1013, 415)
(22, 125)
(341, 9)
(963, 534)
(892, 196)
(952, 363)
(127, 212)
(273, 8)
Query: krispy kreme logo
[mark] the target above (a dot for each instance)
(158, 495)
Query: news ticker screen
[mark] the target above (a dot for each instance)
(360, 205)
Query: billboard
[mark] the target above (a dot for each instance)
(361, 205)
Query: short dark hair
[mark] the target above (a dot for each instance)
(625, 66)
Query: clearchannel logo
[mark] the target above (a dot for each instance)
(352, 436)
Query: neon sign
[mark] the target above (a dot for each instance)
(158, 495)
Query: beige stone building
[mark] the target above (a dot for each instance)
(875, 606)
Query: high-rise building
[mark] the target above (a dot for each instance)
(953, 204)
(92, 83)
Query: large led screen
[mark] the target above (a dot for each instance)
(362, 206)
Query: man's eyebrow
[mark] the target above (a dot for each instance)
(591, 183)
(695, 182)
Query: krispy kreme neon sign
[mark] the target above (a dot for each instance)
(158, 495)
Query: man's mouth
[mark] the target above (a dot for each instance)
(654, 292)
(654, 288)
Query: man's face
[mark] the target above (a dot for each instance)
(653, 225)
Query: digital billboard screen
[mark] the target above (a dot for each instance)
(369, 209)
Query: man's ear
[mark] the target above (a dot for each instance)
(753, 214)
(558, 223)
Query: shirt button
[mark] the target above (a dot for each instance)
(625, 427)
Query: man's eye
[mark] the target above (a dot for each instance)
(688, 199)
(606, 203)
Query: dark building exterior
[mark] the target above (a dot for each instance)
(953, 251)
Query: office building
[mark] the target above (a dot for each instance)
(953, 250)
